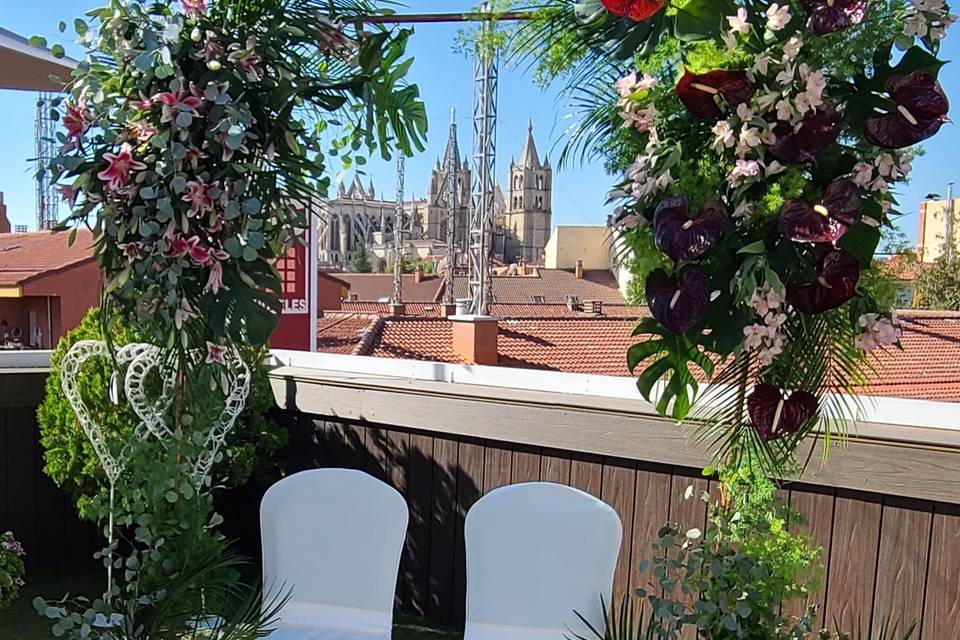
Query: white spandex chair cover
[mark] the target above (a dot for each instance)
(537, 552)
(333, 538)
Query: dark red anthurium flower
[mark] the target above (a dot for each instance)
(684, 238)
(921, 109)
(829, 16)
(823, 222)
(774, 416)
(698, 91)
(678, 306)
(835, 283)
(636, 10)
(803, 141)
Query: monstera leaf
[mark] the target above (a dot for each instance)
(701, 19)
(672, 356)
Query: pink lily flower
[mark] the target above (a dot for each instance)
(183, 314)
(120, 167)
(142, 132)
(143, 103)
(195, 7)
(181, 245)
(199, 253)
(69, 194)
(215, 280)
(76, 120)
(198, 195)
(176, 102)
(216, 353)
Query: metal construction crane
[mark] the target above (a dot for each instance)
(398, 233)
(485, 79)
(453, 163)
(45, 147)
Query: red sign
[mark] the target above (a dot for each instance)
(296, 328)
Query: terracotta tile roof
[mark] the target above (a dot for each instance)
(376, 287)
(549, 344)
(553, 284)
(25, 256)
(927, 368)
(432, 310)
(342, 332)
(903, 268)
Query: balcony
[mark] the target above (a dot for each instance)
(886, 509)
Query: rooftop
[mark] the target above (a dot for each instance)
(925, 369)
(498, 309)
(26, 256)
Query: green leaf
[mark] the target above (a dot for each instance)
(753, 248)
(58, 51)
(861, 242)
(702, 19)
(38, 41)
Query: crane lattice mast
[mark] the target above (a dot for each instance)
(398, 233)
(45, 146)
(453, 162)
(485, 82)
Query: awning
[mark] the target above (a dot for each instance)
(23, 66)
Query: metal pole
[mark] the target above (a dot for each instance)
(474, 16)
(950, 246)
(398, 233)
(451, 169)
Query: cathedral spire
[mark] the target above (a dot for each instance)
(529, 158)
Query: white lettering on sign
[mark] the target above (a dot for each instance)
(295, 307)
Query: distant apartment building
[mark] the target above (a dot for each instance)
(933, 229)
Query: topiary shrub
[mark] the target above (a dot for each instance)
(69, 457)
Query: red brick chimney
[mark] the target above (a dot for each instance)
(4, 220)
(475, 338)
(418, 274)
(579, 270)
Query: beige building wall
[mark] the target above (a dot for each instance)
(571, 243)
(932, 233)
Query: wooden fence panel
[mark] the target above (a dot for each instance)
(618, 490)
(817, 512)
(853, 562)
(942, 602)
(902, 565)
(650, 512)
(469, 488)
(443, 529)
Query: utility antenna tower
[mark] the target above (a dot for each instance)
(453, 163)
(398, 233)
(45, 143)
(485, 80)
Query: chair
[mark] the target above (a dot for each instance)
(332, 538)
(536, 553)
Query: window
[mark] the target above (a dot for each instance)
(539, 299)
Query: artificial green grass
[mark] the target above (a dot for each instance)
(21, 622)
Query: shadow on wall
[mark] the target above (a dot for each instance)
(432, 580)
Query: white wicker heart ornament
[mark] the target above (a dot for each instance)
(141, 360)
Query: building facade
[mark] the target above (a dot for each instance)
(934, 228)
(520, 226)
(525, 223)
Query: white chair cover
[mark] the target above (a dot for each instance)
(332, 538)
(537, 552)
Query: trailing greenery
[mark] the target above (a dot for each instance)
(69, 457)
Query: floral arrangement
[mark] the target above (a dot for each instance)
(194, 140)
(763, 143)
(11, 569)
(196, 137)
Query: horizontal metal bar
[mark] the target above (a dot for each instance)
(421, 18)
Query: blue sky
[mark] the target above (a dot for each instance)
(445, 80)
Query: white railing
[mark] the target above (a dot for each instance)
(26, 359)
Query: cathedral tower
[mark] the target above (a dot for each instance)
(526, 222)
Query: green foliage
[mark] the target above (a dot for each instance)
(939, 286)
(359, 260)
(69, 457)
(200, 600)
(744, 566)
(11, 569)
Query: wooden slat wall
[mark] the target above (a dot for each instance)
(31, 506)
(884, 556)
